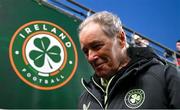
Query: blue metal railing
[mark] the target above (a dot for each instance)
(80, 12)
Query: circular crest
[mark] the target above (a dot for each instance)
(134, 98)
(43, 55)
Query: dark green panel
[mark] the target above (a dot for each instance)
(15, 93)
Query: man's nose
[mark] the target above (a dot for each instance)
(92, 56)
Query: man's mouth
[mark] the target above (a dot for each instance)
(99, 66)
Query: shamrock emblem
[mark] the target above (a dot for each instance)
(135, 98)
(45, 52)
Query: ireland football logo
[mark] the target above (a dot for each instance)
(43, 55)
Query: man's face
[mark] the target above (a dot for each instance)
(102, 52)
(178, 46)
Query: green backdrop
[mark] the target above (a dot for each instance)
(14, 93)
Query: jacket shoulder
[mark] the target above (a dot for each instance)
(158, 71)
(169, 78)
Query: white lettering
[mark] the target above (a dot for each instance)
(24, 70)
(57, 79)
(62, 36)
(68, 44)
(40, 80)
(62, 76)
(44, 27)
(22, 35)
(36, 27)
(29, 75)
(53, 30)
(52, 81)
(28, 30)
(46, 81)
(34, 78)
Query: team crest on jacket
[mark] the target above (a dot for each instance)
(43, 55)
(134, 98)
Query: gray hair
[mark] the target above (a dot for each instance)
(110, 23)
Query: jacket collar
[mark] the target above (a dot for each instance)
(137, 53)
(141, 57)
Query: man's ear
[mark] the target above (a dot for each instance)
(122, 39)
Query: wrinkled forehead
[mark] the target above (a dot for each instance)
(92, 29)
(89, 25)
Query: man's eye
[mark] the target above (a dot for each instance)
(97, 47)
(85, 51)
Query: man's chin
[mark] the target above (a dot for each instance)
(102, 74)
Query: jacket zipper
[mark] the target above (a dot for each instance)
(91, 93)
(98, 85)
(106, 93)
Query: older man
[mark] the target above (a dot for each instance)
(125, 77)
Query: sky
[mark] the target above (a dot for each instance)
(158, 20)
